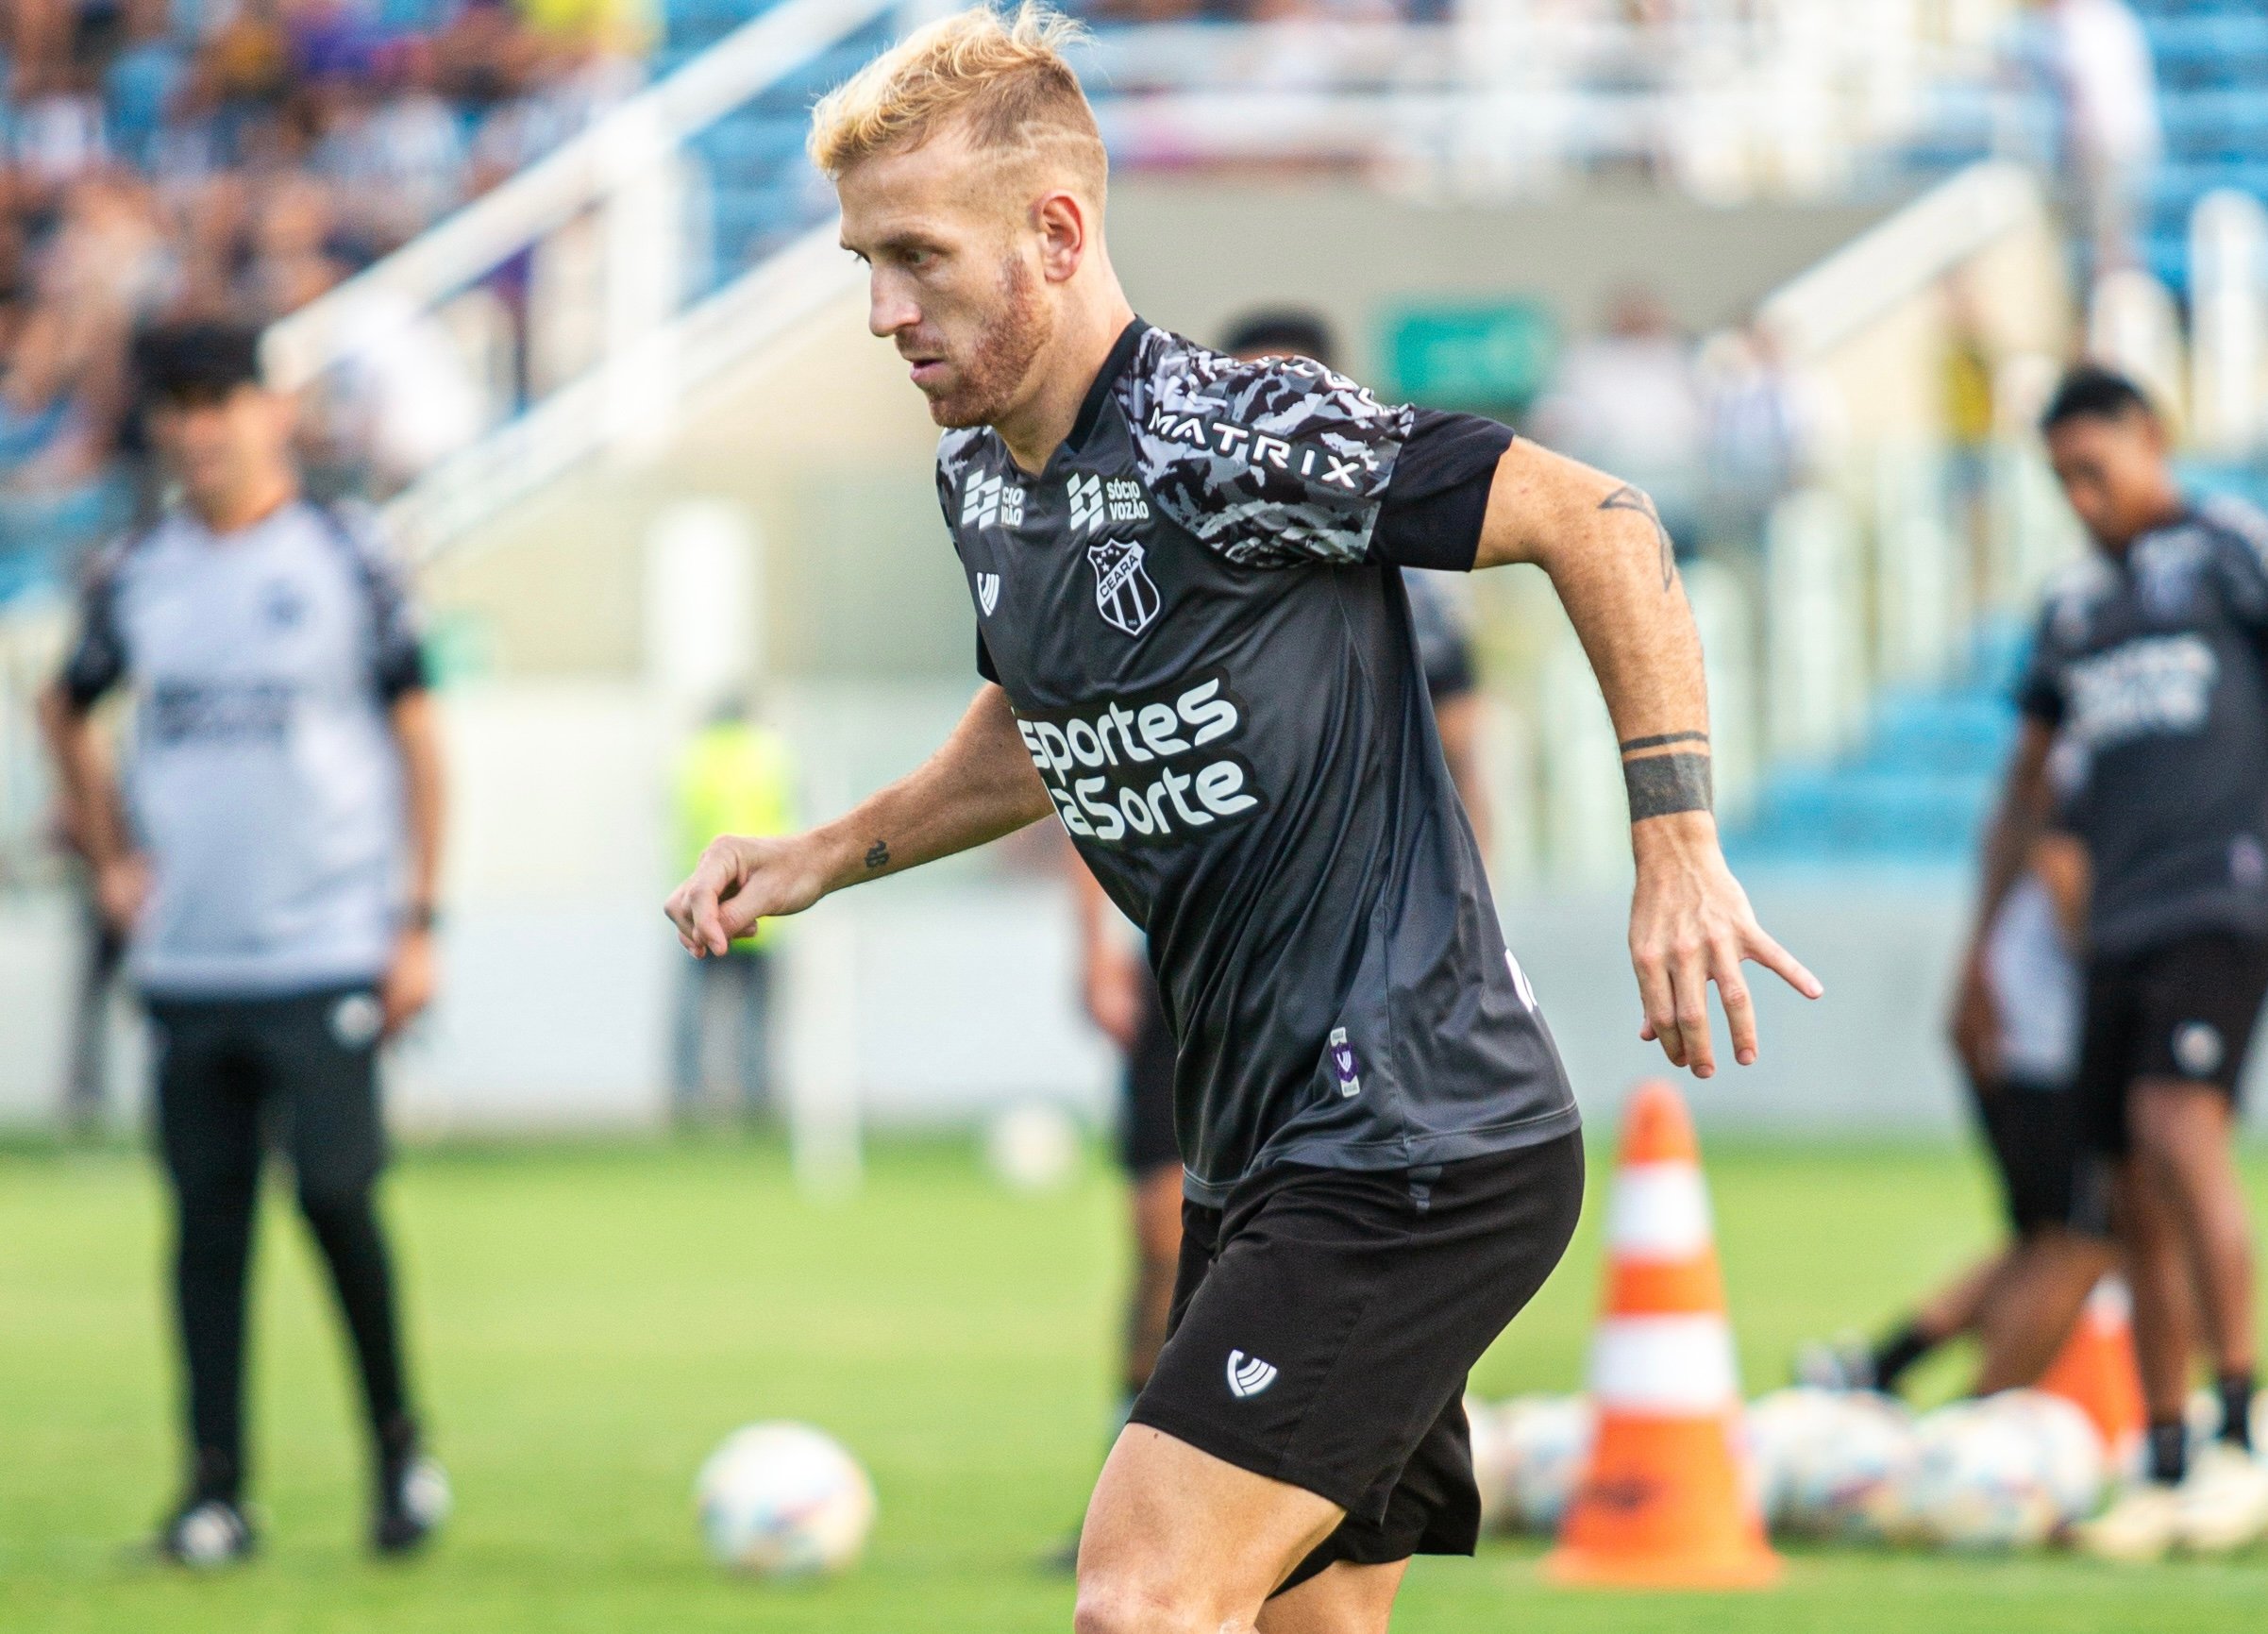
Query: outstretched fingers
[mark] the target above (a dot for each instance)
(1673, 987)
(1690, 973)
(1658, 994)
(1782, 963)
(1732, 993)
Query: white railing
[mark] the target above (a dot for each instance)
(631, 397)
(588, 171)
(1908, 251)
(1511, 96)
(456, 397)
(452, 398)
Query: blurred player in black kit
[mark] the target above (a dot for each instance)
(1120, 994)
(1196, 654)
(2145, 740)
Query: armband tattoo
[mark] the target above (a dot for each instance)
(1662, 785)
(1632, 744)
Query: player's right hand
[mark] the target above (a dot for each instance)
(737, 882)
(1113, 991)
(121, 886)
(1974, 1024)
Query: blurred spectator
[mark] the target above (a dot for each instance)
(736, 777)
(482, 55)
(393, 153)
(234, 160)
(56, 135)
(1766, 428)
(1629, 401)
(568, 83)
(2107, 88)
(291, 261)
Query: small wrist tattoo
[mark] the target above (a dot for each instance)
(1663, 785)
(877, 855)
(1632, 744)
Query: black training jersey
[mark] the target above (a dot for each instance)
(1444, 643)
(2154, 668)
(1196, 613)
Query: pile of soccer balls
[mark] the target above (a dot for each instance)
(2011, 1471)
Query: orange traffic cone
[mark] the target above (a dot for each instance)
(1664, 1502)
(2094, 1371)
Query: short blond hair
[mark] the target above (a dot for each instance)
(1000, 80)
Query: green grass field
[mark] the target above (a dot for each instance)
(588, 1322)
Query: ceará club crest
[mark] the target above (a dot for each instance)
(1124, 593)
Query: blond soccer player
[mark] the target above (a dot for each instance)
(1197, 656)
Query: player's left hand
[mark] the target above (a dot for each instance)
(1690, 924)
(410, 981)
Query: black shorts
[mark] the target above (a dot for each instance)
(2046, 1178)
(1146, 1137)
(236, 1076)
(2184, 1011)
(1324, 1321)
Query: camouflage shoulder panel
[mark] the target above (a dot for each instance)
(956, 450)
(1269, 463)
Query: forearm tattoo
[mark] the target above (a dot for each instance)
(877, 855)
(1632, 744)
(1661, 784)
(1629, 498)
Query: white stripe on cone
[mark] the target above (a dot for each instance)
(1664, 1364)
(1658, 1211)
(2109, 1303)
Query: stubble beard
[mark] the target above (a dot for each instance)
(1001, 358)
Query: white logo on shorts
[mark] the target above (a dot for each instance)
(1249, 1376)
(2197, 1048)
(988, 592)
(355, 1020)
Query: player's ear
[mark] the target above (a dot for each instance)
(1060, 220)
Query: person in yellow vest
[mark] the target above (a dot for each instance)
(736, 776)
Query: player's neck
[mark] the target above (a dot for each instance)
(1063, 374)
(2168, 508)
(249, 506)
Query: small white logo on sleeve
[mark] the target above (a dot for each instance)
(1343, 1065)
(1249, 1376)
(988, 592)
(2197, 1048)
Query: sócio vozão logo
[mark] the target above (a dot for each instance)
(992, 502)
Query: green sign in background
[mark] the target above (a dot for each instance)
(1494, 354)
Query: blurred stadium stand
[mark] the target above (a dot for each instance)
(615, 352)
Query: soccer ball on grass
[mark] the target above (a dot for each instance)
(783, 1499)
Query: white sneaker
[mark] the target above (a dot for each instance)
(2223, 1504)
(2138, 1528)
